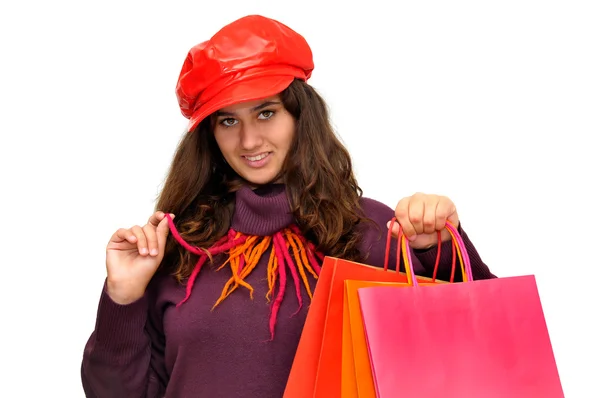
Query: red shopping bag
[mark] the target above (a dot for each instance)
(317, 367)
(483, 338)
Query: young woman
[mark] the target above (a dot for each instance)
(209, 297)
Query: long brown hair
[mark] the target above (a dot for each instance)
(322, 189)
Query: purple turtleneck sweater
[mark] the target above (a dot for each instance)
(151, 349)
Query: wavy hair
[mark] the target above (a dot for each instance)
(321, 186)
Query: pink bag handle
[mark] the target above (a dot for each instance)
(404, 250)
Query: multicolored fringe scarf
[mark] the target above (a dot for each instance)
(245, 252)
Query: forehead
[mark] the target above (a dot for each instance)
(248, 106)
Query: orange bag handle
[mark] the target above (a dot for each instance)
(399, 249)
(403, 250)
(457, 243)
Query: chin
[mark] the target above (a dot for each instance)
(257, 177)
(260, 180)
(263, 176)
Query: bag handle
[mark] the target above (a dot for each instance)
(458, 247)
(399, 249)
(399, 252)
(457, 243)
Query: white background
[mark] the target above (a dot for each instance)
(493, 103)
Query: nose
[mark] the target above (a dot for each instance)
(250, 137)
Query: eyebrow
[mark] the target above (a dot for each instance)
(256, 108)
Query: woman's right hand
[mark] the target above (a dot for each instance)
(133, 256)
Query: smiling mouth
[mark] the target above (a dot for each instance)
(257, 157)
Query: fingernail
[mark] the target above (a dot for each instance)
(412, 238)
(154, 252)
(144, 251)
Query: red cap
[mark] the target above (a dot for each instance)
(252, 58)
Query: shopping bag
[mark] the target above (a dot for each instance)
(485, 338)
(317, 367)
(357, 378)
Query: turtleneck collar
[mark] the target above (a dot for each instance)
(262, 211)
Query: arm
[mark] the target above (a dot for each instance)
(427, 259)
(124, 356)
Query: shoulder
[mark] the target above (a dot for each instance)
(377, 211)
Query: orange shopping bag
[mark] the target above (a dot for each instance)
(357, 379)
(485, 338)
(317, 368)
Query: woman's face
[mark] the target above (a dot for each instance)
(255, 137)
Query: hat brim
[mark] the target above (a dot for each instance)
(248, 90)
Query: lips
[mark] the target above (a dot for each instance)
(256, 158)
(257, 161)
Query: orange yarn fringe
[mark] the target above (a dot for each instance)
(245, 253)
(245, 257)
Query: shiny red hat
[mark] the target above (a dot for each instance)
(251, 58)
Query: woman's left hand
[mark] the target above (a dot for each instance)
(421, 216)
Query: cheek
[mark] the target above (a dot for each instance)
(225, 141)
(283, 135)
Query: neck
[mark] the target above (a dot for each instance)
(261, 211)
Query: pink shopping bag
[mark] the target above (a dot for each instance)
(483, 338)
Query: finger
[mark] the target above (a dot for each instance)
(142, 244)
(156, 218)
(403, 217)
(123, 235)
(445, 211)
(395, 229)
(150, 234)
(162, 231)
(416, 208)
(429, 214)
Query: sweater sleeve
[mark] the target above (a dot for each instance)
(374, 247)
(124, 356)
(478, 267)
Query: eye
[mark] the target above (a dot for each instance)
(229, 122)
(266, 115)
